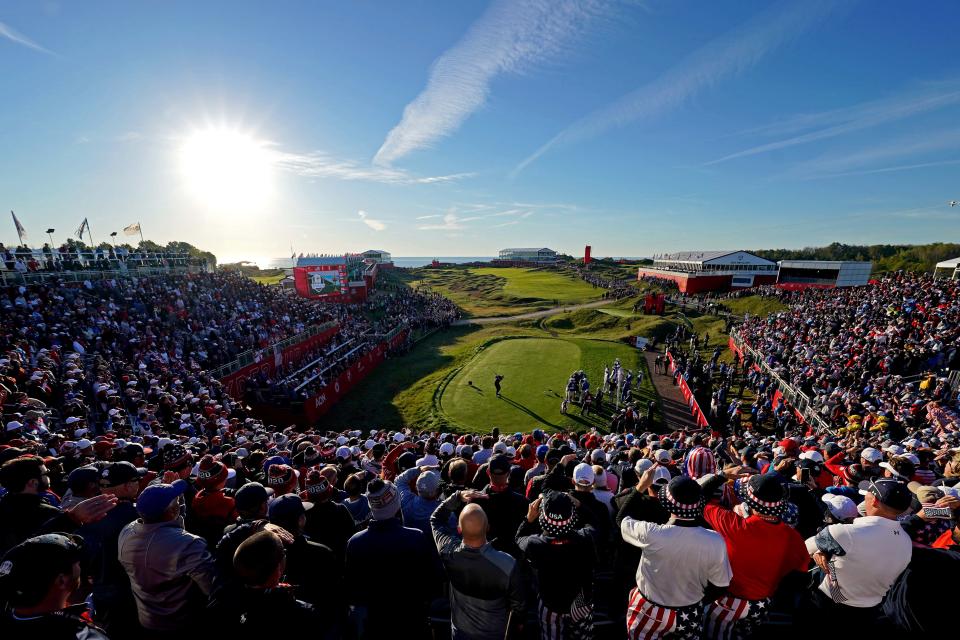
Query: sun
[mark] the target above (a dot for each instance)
(226, 170)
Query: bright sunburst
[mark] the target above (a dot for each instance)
(226, 169)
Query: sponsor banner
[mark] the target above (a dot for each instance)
(319, 404)
(269, 359)
(698, 416)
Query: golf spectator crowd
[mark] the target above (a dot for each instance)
(75, 257)
(139, 500)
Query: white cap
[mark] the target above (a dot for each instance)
(642, 465)
(816, 456)
(446, 449)
(662, 456)
(511, 452)
(399, 437)
(72, 419)
(344, 452)
(83, 444)
(871, 455)
(13, 425)
(840, 506)
(598, 456)
(369, 444)
(912, 458)
(895, 450)
(79, 433)
(241, 452)
(342, 440)
(583, 475)
(661, 475)
(500, 447)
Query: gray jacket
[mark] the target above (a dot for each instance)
(165, 563)
(486, 585)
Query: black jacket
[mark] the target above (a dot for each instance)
(486, 585)
(564, 567)
(505, 511)
(24, 515)
(330, 524)
(256, 614)
(60, 625)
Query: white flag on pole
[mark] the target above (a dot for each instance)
(132, 230)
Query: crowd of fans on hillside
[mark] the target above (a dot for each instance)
(362, 328)
(139, 500)
(616, 288)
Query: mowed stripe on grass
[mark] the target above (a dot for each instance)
(535, 374)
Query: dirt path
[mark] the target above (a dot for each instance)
(676, 413)
(532, 314)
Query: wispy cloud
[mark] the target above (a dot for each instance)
(321, 165)
(455, 219)
(830, 124)
(11, 34)
(730, 54)
(130, 136)
(450, 223)
(864, 161)
(376, 225)
(511, 37)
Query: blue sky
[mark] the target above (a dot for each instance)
(458, 128)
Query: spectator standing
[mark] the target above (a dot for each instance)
(563, 558)
(486, 585)
(171, 572)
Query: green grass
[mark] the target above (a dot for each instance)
(754, 305)
(268, 280)
(428, 389)
(490, 291)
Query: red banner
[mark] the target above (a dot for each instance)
(319, 404)
(698, 416)
(235, 383)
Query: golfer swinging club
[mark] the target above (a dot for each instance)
(496, 383)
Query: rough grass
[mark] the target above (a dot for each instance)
(490, 291)
(754, 305)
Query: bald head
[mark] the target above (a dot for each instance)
(473, 525)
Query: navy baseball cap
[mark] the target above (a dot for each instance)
(157, 497)
(81, 476)
(251, 495)
(118, 473)
(287, 507)
(499, 463)
(893, 493)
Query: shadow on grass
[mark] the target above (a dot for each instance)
(536, 416)
(370, 403)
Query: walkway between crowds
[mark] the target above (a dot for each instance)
(533, 314)
(676, 413)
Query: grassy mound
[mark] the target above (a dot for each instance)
(484, 292)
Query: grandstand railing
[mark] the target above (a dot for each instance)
(249, 357)
(381, 337)
(799, 400)
(39, 277)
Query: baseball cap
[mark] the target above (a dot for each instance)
(871, 455)
(583, 475)
(157, 497)
(428, 483)
(287, 507)
(117, 473)
(642, 465)
(28, 568)
(446, 449)
(662, 456)
(82, 476)
(251, 495)
(840, 506)
(890, 492)
(661, 476)
(499, 463)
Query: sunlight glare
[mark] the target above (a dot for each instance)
(226, 170)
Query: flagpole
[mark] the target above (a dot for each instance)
(140, 229)
(90, 233)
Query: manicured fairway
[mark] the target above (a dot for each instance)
(535, 374)
(505, 291)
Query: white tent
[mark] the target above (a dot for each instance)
(951, 265)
